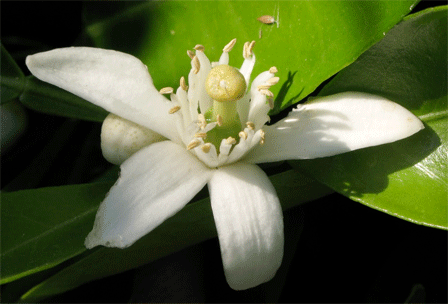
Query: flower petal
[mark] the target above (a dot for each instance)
(249, 221)
(118, 82)
(154, 184)
(335, 124)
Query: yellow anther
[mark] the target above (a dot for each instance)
(229, 46)
(273, 80)
(193, 144)
(167, 90)
(196, 64)
(266, 19)
(263, 87)
(242, 134)
(200, 135)
(262, 136)
(250, 125)
(273, 70)
(206, 147)
(183, 85)
(251, 47)
(219, 120)
(190, 54)
(202, 123)
(174, 109)
(246, 53)
(230, 141)
(267, 93)
(199, 47)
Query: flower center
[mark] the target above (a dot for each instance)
(225, 85)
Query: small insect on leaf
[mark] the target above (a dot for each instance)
(266, 19)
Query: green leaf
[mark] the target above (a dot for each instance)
(193, 224)
(44, 227)
(409, 178)
(309, 42)
(47, 98)
(12, 77)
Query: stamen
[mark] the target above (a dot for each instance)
(273, 70)
(229, 46)
(183, 85)
(202, 123)
(196, 64)
(262, 136)
(267, 93)
(219, 120)
(190, 54)
(251, 47)
(199, 47)
(200, 135)
(243, 134)
(250, 125)
(193, 144)
(246, 54)
(263, 87)
(167, 90)
(174, 109)
(230, 140)
(273, 81)
(206, 147)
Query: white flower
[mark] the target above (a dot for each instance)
(180, 150)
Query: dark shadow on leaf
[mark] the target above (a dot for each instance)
(366, 170)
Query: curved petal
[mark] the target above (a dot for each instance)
(120, 138)
(249, 221)
(335, 124)
(154, 184)
(118, 82)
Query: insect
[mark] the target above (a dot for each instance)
(266, 19)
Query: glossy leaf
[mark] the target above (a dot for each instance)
(409, 178)
(308, 42)
(47, 98)
(193, 224)
(12, 78)
(44, 227)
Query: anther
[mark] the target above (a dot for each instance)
(190, 54)
(193, 144)
(262, 137)
(200, 135)
(202, 123)
(174, 109)
(230, 140)
(263, 87)
(199, 47)
(167, 90)
(246, 54)
(242, 134)
(251, 47)
(196, 64)
(273, 81)
(219, 120)
(273, 70)
(229, 46)
(267, 93)
(206, 147)
(250, 125)
(183, 85)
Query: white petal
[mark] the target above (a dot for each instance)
(249, 221)
(196, 92)
(335, 124)
(115, 81)
(154, 184)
